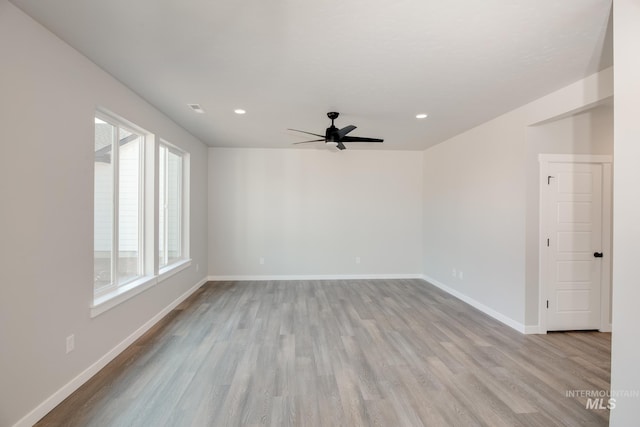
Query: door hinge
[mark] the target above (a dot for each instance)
(549, 179)
(547, 303)
(547, 242)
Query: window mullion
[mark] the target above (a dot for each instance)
(150, 210)
(165, 208)
(180, 204)
(116, 208)
(141, 210)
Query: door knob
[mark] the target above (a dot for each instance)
(597, 254)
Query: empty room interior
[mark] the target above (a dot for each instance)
(319, 213)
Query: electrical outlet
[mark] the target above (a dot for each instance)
(357, 260)
(460, 275)
(454, 273)
(71, 343)
(261, 260)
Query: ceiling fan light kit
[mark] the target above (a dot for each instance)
(336, 136)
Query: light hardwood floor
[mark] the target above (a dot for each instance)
(341, 353)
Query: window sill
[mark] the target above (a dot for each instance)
(123, 293)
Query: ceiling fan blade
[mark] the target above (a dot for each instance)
(308, 133)
(341, 146)
(360, 139)
(313, 140)
(345, 130)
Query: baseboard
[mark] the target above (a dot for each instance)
(533, 329)
(483, 308)
(55, 399)
(607, 328)
(259, 278)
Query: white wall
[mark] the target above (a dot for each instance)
(48, 96)
(625, 353)
(474, 216)
(476, 187)
(311, 212)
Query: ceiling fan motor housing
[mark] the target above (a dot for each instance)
(331, 135)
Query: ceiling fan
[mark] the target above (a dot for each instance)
(335, 135)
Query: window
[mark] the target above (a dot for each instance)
(131, 251)
(170, 215)
(118, 205)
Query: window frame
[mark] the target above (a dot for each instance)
(150, 272)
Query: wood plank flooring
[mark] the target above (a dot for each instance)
(341, 353)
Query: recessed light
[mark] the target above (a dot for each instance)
(197, 108)
(422, 116)
(239, 111)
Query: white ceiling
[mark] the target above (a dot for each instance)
(377, 62)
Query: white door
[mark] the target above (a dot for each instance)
(574, 246)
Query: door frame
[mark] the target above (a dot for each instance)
(605, 161)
